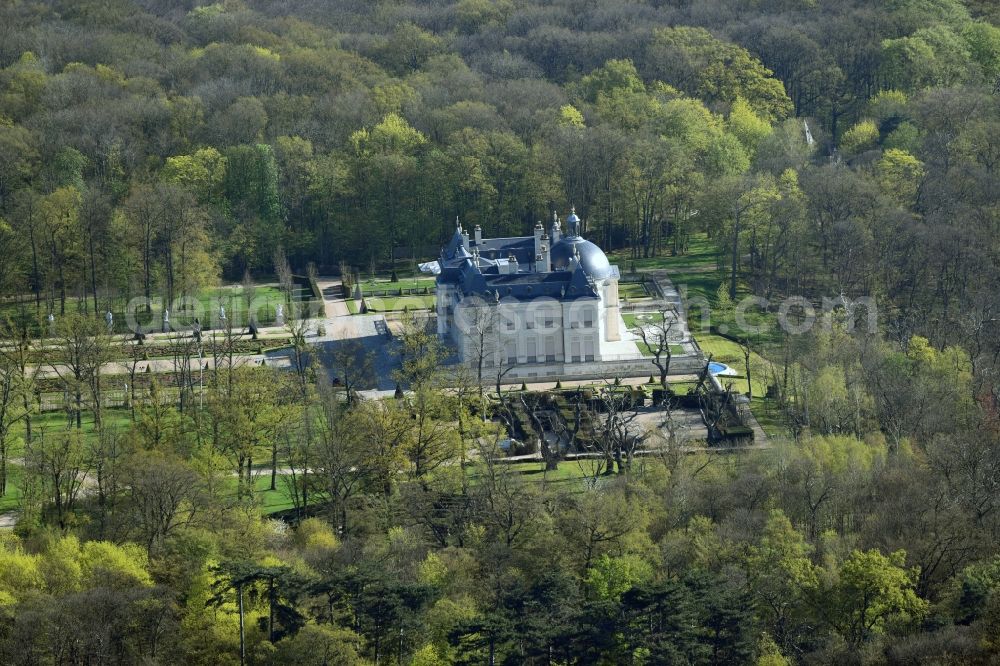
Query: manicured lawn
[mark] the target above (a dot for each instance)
(403, 283)
(632, 290)
(675, 350)
(393, 300)
(726, 351)
(205, 307)
(632, 318)
(398, 303)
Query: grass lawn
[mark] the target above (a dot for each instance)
(632, 290)
(697, 276)
(206, 307)
(11, 501)
(632, 318)
(380, 284)
(273, 500)
(702, 255)
(675, 350)
(569, 471)
(398, 303)
(352, 306)
(269, 500)
(726, 351)
(766, 412)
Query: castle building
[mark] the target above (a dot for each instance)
(546, 299)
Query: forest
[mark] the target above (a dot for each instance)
(157, 149)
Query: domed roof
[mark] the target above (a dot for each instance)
(592, 258)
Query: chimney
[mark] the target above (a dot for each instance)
(539, 232)
(543, 261)
(479, 235)
(556, 229)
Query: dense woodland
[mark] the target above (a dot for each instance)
(152, 148)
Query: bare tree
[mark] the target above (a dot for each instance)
(747, 353)
(297, 329)
(617, 436)
(355, 365)
(656, 336)
(186, 351)
(508, 506)
(160, 490)
(16, 389)
(483, 319)
(58, 462)
(249, 292)
(283, 270)
(84, 347)
(105, 456)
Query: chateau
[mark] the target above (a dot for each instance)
(548, 299)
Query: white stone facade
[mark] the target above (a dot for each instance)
(515, 302)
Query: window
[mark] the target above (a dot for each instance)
(549, 321)
(550, 349)
(510, 326)
(532, 350)
(530, 324)
(588, 319)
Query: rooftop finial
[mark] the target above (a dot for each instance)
(573, 222)
(458, 224)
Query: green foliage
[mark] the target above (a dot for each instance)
(747, 126)
(202, 172)
(147, 152)
(899, 175)
(932, 56)
(983, 41)
(863, 136)
(870, 592)
(616, 76)
(610, 578)
(698, 63)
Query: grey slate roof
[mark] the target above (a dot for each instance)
(481, 270)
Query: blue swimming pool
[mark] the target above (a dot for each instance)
(716, 368)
